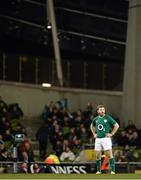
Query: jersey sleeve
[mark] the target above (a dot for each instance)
(111, 120)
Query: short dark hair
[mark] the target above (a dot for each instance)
(100, 106)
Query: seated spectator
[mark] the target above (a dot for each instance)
(83, 135)
(18, 129)
(128, 154)
(35, 168)
(72, 136)
(87, 121)
(4, 125)
(55, 132)
(15, 111)
(122, 140)
(66, 143)
(7, 136)
(78, 117)
(4, 112)
(66, 126)
(130, 126)
(4, 156)
(119, 156)
(132, 136)
(3, 108)
(58, 148)
(25, 152)
(23, 167)
(76, 146)
(67, 155)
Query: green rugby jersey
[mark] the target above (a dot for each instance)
(103, 125)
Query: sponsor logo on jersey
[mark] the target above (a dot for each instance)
(105, 120)
(100, 127)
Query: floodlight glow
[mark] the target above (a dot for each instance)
(46, 85)
(48, 26)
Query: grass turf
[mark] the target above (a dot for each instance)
(70, 176)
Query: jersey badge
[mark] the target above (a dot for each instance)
(105, 120)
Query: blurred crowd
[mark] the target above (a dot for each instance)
(10, 126)
(129, 143)
(67, 132)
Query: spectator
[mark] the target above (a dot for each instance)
(19, 129)
(128, 154)
(3, 153)
(1, 139)
(78, 118)
(15, 111)
(42, 137)
(132, 136)
(83, 135)
(72, 135)
(58, 148)
(4, 125)
(7, 136)
(3, 107)
(25, 152)
(35, 168)
(130, 126)
(122, 140)
(67, 155)
(119, 156)
(66, 143)
(24, 168)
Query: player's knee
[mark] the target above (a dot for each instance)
(98, 156)
(109, 154)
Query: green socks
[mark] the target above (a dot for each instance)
(112, 164)
(98, 164)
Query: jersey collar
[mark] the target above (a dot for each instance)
(101, 116)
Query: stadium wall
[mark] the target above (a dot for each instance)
(32, 98)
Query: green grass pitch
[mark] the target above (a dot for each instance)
(70, 176)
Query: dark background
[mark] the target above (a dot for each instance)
(92, 39)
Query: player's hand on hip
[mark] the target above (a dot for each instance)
(109, 135)
(95, 135)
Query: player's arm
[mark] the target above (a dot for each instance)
(115, 128)
(93, 130)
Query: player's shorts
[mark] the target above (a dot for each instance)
(103, 144)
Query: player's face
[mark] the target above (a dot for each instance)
(101, 111)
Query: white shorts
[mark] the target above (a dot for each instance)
(103, 144)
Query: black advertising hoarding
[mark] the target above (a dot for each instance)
(84, 168)
(79, 168)
(71, 168)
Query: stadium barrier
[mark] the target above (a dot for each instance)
(68, 168)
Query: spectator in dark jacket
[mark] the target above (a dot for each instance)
(42, 137)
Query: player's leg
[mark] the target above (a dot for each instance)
(98, 155)
(107, 145)
(98, 161)
(111, 160)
